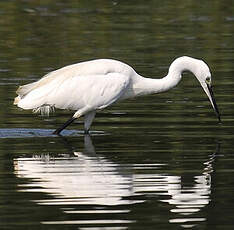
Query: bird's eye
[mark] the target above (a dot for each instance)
(208, 79)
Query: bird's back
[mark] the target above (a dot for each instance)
(94, 67)
(80, 75)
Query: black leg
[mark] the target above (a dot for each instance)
(86, 131)
(68, 122)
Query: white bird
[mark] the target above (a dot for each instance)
(93, 85)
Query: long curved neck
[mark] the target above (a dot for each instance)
(148, 85)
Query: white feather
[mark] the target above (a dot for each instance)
(44, 110)
(88, 86)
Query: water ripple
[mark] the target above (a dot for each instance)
(26, 133)
(88, 180)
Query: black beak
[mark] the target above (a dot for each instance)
(214, 102)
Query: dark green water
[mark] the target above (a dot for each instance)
(156, 162)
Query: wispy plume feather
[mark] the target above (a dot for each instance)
(44, 110)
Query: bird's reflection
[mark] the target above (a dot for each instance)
(91, 179)
(84, 178)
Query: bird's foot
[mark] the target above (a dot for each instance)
(57, 132)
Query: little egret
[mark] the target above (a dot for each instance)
(93, 85)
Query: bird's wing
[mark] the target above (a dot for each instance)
(93, 91)
(94, 67)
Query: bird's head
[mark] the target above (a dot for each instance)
(202, 73)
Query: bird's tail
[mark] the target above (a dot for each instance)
(36, 95)
(32, 96)
(37, 105)
(22, 91)
(16, 100)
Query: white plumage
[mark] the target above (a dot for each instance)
(89, 86)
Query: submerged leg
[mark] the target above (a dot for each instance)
(88, 146)
(68, 122)
(88, 119)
